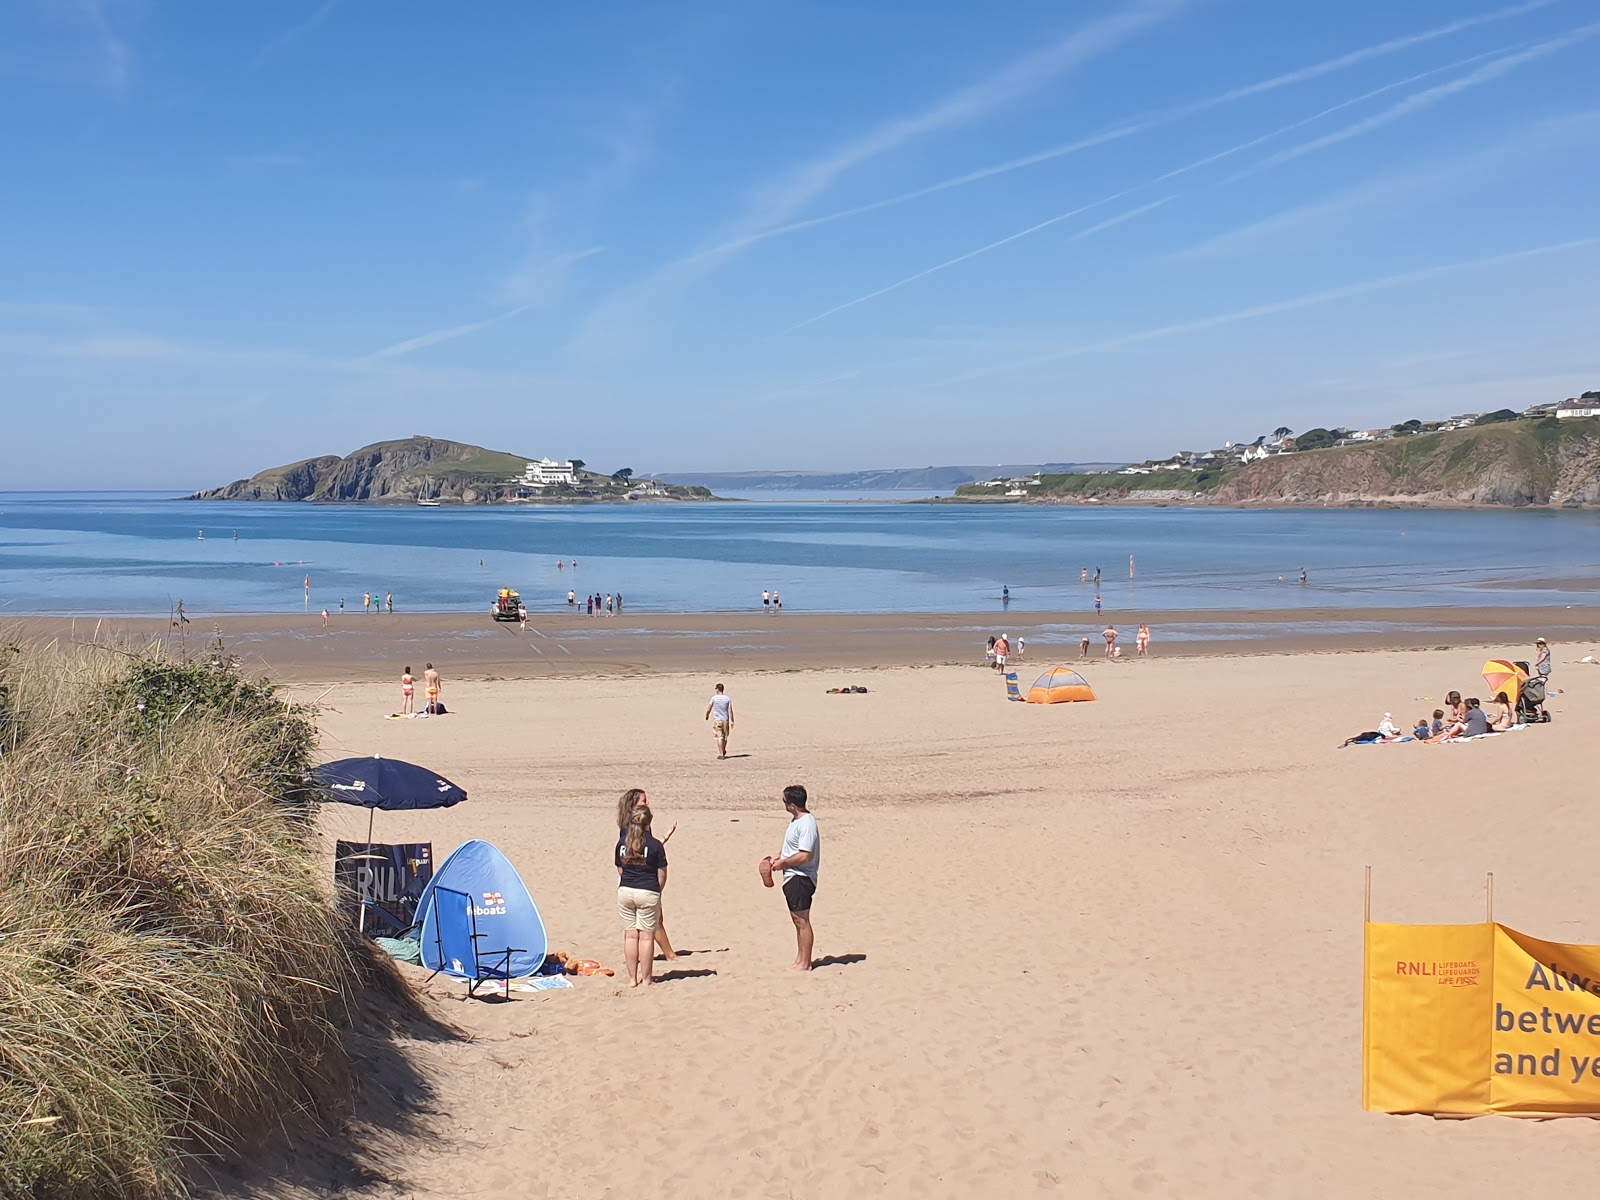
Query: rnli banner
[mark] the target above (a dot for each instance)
(1477, 1019)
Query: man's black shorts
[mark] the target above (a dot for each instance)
(797, 892)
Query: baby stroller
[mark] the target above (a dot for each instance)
(1530, 699)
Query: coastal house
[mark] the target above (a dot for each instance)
(1587, 405)
(547, 471)
(1461, 422)
(1538, 412)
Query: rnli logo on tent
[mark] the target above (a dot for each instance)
(1445, 974)
(494, 905)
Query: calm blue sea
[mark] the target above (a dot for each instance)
(138, 553)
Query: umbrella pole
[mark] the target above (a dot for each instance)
(361, 898)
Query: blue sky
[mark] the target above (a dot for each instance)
(722, 235)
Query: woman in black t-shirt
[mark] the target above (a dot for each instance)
(641, 863)
(631, 799)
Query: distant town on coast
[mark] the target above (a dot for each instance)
(1545, 454)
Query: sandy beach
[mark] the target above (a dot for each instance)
(1107, 949)
(357, 647)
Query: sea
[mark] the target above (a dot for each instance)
(139, 553)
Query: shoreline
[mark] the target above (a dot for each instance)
(295, 648)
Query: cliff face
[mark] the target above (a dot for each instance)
(418, 468)
(1517, 464)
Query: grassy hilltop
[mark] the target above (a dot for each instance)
(1515, 463)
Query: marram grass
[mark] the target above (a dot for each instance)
(174, 980)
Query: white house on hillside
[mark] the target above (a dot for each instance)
(1584, 406)
(547, 471)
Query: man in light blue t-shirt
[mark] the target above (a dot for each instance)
(802, 855)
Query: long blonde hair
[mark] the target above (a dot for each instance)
(638, 834)
(629, 802)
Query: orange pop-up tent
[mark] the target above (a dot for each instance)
(1060, 685)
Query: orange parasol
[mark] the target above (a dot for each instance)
(1502, 676)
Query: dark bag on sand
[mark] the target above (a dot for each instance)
(1362, 739)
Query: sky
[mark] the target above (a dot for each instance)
(762, 234)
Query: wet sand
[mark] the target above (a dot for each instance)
(471, 646)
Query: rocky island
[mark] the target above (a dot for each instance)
(427, 470)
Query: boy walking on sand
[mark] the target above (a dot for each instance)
(802, 855)
(720, 713)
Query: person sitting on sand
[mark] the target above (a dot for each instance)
(1437, 727)
(631, 799)
(1504, 716)
(641, 863)
(1420, 729)
(1476, 722)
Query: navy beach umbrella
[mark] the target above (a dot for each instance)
(387, 783)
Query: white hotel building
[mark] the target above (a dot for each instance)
(547, 471)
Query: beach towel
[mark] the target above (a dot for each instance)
(542, 983)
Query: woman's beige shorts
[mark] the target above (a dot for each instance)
(639, 908)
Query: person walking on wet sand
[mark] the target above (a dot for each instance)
(388, 602)
(720, 713)
(1143, 641)
(366, 601)
(801, 857)
(324, 618)
(430, 680)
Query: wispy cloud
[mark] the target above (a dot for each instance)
(1426, 99)
(287, 38)
(1543, 138)
(1274, 308)
(1164, 177)
(541, 279)
(1128, 129)
(434, 337)
(995, 245)
(778, 201)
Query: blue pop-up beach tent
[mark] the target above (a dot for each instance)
(478, 920)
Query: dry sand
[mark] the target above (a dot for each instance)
(1107, 949)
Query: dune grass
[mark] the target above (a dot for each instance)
(174, 979)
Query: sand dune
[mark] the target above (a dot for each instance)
(1107, 949)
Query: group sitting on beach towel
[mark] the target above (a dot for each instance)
(1461, 720)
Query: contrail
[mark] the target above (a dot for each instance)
(1427, 99)
(1159, 179)
(1167, 116)
(1275, 307)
